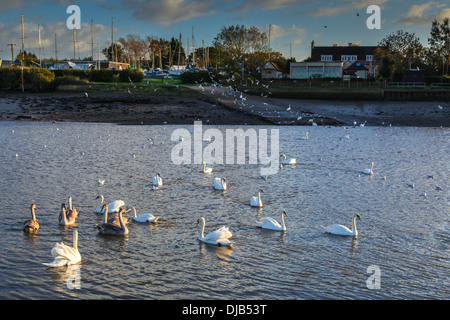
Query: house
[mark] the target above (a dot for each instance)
(271, 71)
(357, 70)
(358, 61)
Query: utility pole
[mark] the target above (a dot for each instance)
(74, 40)
(179, 50)
(92, 41)
(193, 47)
(269, 40)
(23, 37)
(112, 39)
(23, 53)
(40, 45)
(12, 51)
(56, 49)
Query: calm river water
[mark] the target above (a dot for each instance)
(404, 234)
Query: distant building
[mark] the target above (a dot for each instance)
(358, 61)
(271, 71)
(84, 65)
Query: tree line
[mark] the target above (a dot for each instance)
(402, 50)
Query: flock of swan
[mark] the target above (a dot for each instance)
(65, 255)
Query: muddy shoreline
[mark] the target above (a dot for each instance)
(183, 106)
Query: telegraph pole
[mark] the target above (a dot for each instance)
(92, 40)
(56, 49)
(40, 45)
(112, 39)
(12, 51)
(23, 53)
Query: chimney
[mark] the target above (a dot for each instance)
(350, 44)
(312, 44)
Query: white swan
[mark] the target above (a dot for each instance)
(369, 171)
(256, 201)
(112, 207)
(65, 255)
(218, 237)
(157, 180)
(287, 161)
(272, 224)
(220, 184)
(145, 217)
(305, 137)
(341, 230)
(205, 169)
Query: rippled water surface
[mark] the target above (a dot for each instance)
(405, 234)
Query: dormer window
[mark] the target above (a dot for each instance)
(326, 58)
(369, 57)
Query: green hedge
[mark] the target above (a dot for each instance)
(93, 75)
(35, 79)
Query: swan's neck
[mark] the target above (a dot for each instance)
(33, 215)
(283, 226)
(259, 196)
(105, 215)
(134, 212)
(202, 229)
(371, 167)
(354, 226)
(204, 166)
(100, 202)
(122, 225)
(75, 239)
(284, 157)
(70, 203)
(63, 215)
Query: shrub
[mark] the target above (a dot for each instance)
(35, 79)
(131, 74)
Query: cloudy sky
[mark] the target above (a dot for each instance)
(293, 23)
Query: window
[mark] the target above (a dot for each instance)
(326, 58)
(349, 58)
(369, 57)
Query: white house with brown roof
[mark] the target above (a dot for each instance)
(271, 71)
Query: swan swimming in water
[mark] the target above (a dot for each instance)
(112, 228)
(66, 217)
(220, 184)
(145, 217)
(73, 210)
(218, 237)
(65, 255)
(256, 201)
(157, 181)
(369, 171)
(205, 169)
(341, 230)
(286, 161)
(112, 207)
(113, 220)
(272, 224)
(31, 225)
(305, 137)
